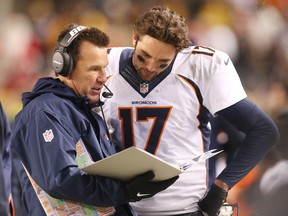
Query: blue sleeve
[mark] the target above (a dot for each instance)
(57, 172)
(260, 132)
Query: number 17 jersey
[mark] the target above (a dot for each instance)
(169, 116)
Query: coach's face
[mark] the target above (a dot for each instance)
(88, 76)
(151, 56)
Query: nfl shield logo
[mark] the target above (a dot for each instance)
(48, 135)
(144, 88)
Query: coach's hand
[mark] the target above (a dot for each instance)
(213, 200)
(142, 187)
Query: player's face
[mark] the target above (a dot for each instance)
(88, 77)
(151, 56)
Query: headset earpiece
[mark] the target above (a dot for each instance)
(62, 61)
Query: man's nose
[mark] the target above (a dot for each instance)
(151, 66)
(102, 76)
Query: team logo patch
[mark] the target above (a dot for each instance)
(144, 88)
(48, 135)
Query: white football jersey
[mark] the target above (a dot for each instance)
(169, 116)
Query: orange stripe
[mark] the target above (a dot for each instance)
(12, 208)
(203, 148)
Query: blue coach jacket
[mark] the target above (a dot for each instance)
(52, 106)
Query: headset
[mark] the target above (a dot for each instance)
(62, 62)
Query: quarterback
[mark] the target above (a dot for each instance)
(165, 90)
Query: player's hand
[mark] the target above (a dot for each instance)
(213, 200)
(142, 187)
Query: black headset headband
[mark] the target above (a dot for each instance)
(71, 35)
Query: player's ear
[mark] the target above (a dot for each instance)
(135, 38)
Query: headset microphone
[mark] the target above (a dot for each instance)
(108, 94)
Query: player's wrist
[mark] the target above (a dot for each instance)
(221, 185)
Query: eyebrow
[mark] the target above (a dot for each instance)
(94, 67)
(147, 54)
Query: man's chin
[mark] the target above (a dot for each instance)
(147, 76)
(93, 99)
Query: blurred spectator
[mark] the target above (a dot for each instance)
(20, 50)
(20, 60)
(6, 203)
(273, 187)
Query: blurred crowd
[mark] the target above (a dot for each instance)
(254, 34)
